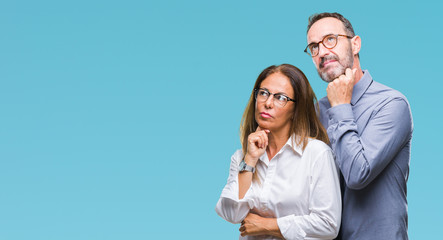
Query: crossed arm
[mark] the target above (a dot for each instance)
(323, 220)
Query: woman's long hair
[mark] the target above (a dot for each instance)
(305, 122)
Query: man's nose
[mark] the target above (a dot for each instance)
(322, 50)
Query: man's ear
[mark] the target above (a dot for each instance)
(356, 44)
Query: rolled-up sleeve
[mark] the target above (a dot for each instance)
(229, 207)
(323, 220)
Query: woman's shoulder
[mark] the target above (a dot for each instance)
(317, 145)
(238, 153)
(237, 156)
(318, 152)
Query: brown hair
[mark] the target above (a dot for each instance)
(305, 122)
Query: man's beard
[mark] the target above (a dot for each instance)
(329, 76)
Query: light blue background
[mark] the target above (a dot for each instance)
(118, 118)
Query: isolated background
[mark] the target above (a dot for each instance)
(118, 118)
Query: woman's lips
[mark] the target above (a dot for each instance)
(265, 115)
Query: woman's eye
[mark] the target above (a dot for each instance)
(263, 93)
(280, 98)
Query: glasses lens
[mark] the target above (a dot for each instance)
(330, 41)
(313, 49)
(262, 95)
(280, 100)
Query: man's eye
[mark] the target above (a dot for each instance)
(314, 47)
(330, 39)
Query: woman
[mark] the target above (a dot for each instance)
(286, 184)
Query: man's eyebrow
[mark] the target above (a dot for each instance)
(321, 38)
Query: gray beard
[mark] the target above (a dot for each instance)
(348, 62)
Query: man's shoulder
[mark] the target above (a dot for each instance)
(383, 91)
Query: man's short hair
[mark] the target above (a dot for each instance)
(315, 17)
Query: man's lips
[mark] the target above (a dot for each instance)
(265, 115)
(327, 60)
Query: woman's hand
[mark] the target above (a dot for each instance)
(254, 225)
(257, 143)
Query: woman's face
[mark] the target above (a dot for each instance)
(270, 115)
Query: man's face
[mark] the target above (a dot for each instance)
(331, 63)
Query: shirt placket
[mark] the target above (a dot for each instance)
(268, 183)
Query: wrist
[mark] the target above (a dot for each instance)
(251, 161)
(272, 227)
(244, 167)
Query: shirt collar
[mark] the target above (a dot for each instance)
(291, 144)
(361, 87)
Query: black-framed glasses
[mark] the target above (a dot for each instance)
(329, 42)
(262, 95)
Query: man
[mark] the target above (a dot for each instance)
(370, 129)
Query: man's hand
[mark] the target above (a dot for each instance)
(340, 89)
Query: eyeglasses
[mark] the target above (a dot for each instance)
(329, 42)
(262, 95)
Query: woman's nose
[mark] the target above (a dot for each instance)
(270, 102)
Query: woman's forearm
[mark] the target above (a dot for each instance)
(245, 177)
(270, 227)
(244, 182)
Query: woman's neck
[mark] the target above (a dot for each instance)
(275, 142)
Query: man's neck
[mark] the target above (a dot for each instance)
(359, 74)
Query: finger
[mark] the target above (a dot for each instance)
(258, 141)
(265, 138)
(354, 71)
(262, 129)
(349, 73)
(254, 136)
(258, 129)
(252, 141)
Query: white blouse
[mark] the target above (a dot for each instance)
(299, 188)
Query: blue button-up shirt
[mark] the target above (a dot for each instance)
(371, 139)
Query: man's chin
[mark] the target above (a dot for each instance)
(329, 75)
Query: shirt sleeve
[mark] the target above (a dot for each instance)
(361, 156)
(229, 207)
(323, 220)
